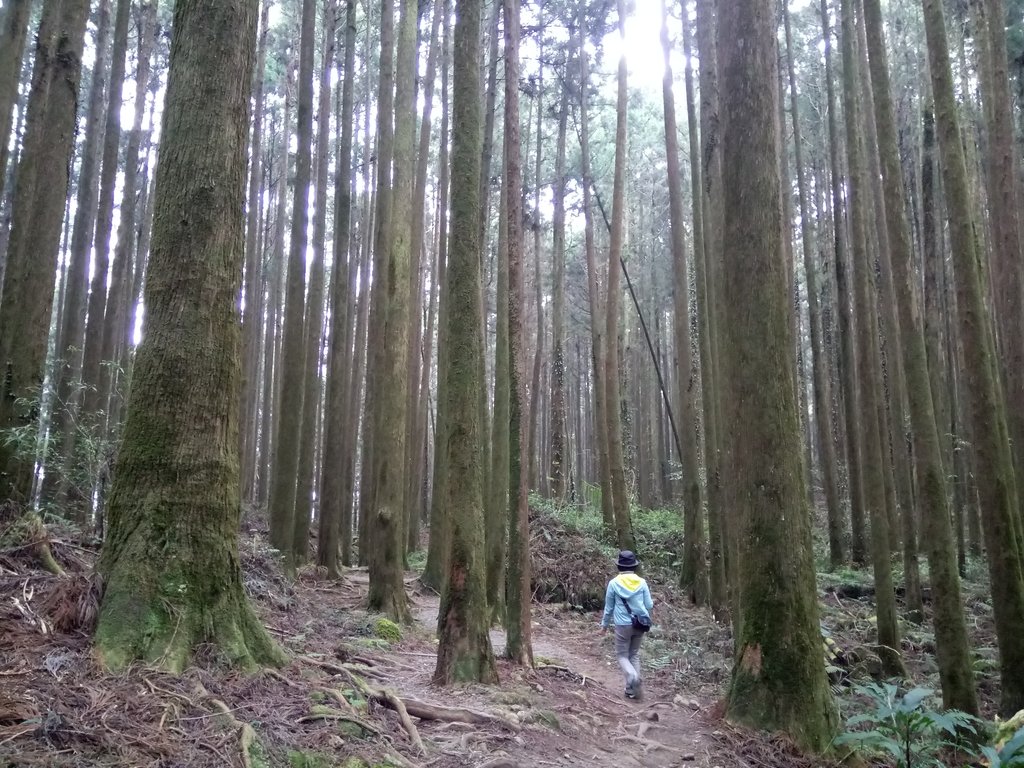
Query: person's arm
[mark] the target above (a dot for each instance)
(609, 606)
(648, 601)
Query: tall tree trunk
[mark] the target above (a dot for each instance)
(483, 245)
(416, 410)
(864, 379)
(331, 492)
(314, 320)
(616, 466)
(436, 567)
(519, 646)
(387, 591)
(778, 680)
(133, 223)
(704, 272)
(994, 466)
(847, 356)
(176, 495)
(497, 499)
(13, 33)
(37, 213)
(464, 651)
(289, 428)
(275, 321)
(892, 411)
(1004, 200)
(598, 344)
(251, 317)
(71, 332)
(952, 645)
(693, 573)
(559, 468)
(92, 364)
(819, 360)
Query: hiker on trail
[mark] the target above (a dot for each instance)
(627, 606)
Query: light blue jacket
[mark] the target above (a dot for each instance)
(632, 588)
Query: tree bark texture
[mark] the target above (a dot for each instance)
(170, 564)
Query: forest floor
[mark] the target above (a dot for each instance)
(336, 702)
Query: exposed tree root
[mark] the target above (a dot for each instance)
(647, 744)
(27, 532)
(583, 679)
(344, 716)
(419, 709)
(398, 705)
(246, 735)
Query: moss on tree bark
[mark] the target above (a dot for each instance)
(170, 564)
(778, 678)
(464, 652)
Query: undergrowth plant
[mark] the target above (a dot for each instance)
(905, 728)
(1008, 750)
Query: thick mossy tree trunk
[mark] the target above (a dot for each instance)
(778, 679)
(37, 213)
(953, 649)
(170, 564)
(464, 652)
(693, 574)
(997, 488)
(517, 584)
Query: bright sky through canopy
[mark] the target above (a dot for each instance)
(644, 58)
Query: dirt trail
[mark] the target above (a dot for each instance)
(590, 722)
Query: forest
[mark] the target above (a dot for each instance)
(348, 349)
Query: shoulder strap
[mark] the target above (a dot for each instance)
(625, 602)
